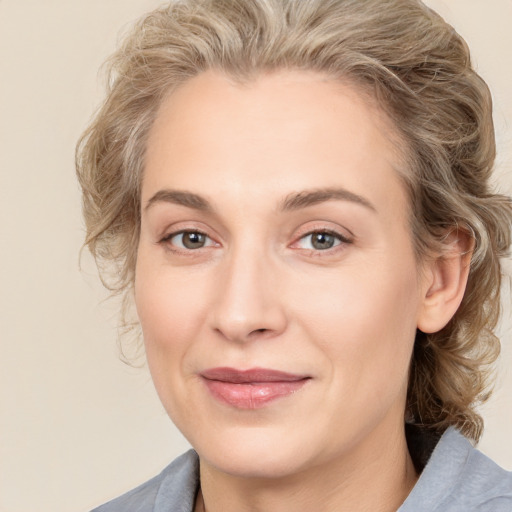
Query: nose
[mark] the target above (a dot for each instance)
(247, 304)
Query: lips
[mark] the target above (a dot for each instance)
(251, 389)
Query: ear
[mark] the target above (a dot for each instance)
(445, 279)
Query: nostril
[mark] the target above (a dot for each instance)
(258, 331)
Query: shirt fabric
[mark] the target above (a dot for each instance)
(457, 478)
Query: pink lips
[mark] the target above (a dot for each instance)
(251, 389)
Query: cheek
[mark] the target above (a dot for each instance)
(170, 313)
(170, 310)
(365, 322)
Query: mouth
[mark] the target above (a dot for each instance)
(251, 389)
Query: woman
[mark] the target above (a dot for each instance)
(295, 195)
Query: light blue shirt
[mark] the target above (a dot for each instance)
(457, 478)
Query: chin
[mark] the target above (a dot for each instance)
(259, 464)
(255, 455)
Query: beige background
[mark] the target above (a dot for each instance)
(77, 426)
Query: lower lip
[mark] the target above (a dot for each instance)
(252, 395)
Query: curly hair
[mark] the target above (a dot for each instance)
(398, 52)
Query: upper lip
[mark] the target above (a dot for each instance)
(236, 376)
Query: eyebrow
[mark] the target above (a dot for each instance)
(291, 202)
(307, 198)
(187, 199)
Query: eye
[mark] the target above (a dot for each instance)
(321, 240)
(188, 240)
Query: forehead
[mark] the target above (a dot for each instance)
(284, 131)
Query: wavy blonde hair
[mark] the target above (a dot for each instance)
(398, 52)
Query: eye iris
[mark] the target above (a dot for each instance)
(193, 240)
(322, 241)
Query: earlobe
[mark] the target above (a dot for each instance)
(446, 277)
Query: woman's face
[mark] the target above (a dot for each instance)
(276, 282)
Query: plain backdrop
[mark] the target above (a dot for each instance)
(77, 426)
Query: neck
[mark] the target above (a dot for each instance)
(375, 476)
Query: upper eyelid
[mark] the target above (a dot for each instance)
(323, 227)
(329, 232)
(307, 228)
(343, 242)
(165, 241)
(185, 226)
(172, 234)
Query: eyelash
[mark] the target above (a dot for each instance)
(166, 240)
(339, 240)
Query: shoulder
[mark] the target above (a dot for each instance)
(173, 489)
(459, 478)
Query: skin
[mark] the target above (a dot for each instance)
(258, 293)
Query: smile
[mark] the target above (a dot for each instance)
(251, 389)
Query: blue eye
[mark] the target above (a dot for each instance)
(189, 240)
(321, 240)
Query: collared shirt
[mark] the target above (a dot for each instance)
(457, 478)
